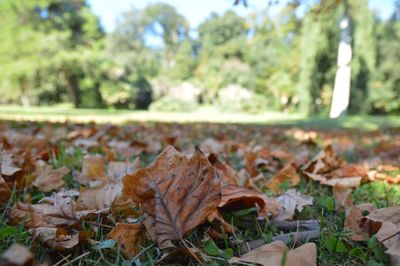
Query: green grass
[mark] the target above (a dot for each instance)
(65, 113)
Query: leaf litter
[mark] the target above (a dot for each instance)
(169, 193)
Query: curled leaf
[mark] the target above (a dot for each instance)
(238, 198)
(56, 238)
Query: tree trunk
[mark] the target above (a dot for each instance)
(341, 91)
(72, 84)
(23, 87)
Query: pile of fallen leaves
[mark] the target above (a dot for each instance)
(202, 194)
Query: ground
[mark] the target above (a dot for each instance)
(371, 142)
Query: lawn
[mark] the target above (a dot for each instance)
(65, 113)
(58, 165)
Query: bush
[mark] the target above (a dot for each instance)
(235, 98)
(124, 95)
(172, 104)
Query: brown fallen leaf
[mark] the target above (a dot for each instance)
(93, 169)
(216, 218)
(386, 223)
(117, 170)
(58, 212)
(98, 198)
(56, 238)
(355, 221)
(211, 145)
(51, 180)
(350, 182)
(227, 174)
(288, 173)
(254, 159)
(387, 234)
(342, 195)
(129, 237)
(325, 161)
(290, 201)
(349, 170)
(273, 254)
(394, 251)
(239, 198)
(17, 255)
(179, 192)
(8, 168)
(5, 191)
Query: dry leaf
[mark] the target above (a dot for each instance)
(350, 182)
(394, 251)
(129, 237)
(49, 181)
(290, 201)
(349, 170)
(288, 173)
(98, 198)
(253, 160)
(387, 234)
(5, 191)
(227, 174)
(93, 169)
(387, 221)
(55, 238)
(7, 165)
(239, 198)
(211, 145)
(117, 170)
(342, 195)
(179, 192)
(355, 221)
(272, 254)
(324, 162)
(58, 212)
(18, 255)
(216, 218)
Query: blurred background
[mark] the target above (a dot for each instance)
(227, 56)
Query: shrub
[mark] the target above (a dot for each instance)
(172, 104)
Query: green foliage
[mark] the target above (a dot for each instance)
(55, 51)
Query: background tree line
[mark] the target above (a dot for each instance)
(55, 51)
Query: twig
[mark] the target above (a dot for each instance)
(294, 237)
(191, 252)
(77, 258)
(141, 252)
(98, 224)
(63, 259)
(103, 258)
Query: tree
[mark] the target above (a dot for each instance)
(45, 38)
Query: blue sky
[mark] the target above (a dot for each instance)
(196, 11)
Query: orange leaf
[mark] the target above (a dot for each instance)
(130, 238)
(227, 174)
(287, 173)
